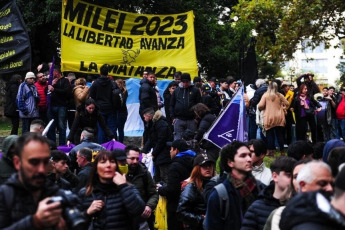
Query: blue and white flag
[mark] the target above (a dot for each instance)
(134, 125)
(230, 124)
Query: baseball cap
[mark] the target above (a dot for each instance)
(202, 159)
(181, 145)
(185, 77)
(120, 154)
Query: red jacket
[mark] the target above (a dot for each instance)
(42, 90)
(341, 109)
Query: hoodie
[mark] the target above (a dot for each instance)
(6, 162)
(101, 92)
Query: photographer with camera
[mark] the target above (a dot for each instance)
(25, 199)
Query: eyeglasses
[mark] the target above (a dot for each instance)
(133, 158)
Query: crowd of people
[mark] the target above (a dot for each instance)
(113, 189)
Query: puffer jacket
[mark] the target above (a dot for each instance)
(27, 99)
(147, 96)
(42, 92)
(80, 93)
(258, 212)
(192, 207)
(122, 203)
(179, 170)
(16, 213)
(6, 162)
(311, 210)
(182, 101)
(159, 134)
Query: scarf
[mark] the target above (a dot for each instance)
(245, 189)
(304, 103)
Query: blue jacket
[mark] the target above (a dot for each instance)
(27, 100)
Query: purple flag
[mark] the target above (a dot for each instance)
(50, 81)
(230, 124)
(111, 145)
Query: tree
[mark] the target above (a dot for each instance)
(282, 25)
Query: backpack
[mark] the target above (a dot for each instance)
(116, 96)
(223, 200)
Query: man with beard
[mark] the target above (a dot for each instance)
(24, 196)
(139, 176)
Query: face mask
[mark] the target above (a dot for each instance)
(123, 169)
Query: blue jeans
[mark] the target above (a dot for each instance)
(341, 124)
(58, 113)
(180, 126)
(252, 127)
(26, 124)
(110, 119)
(121, 121)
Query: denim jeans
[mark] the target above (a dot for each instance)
(342, 128)
(110, 119)
(26, 124)
(180, 126)
(252, 127)
(58, 113)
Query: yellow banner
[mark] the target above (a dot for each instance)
(130, 43)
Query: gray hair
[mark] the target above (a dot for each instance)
(259, 82)
(306, 173)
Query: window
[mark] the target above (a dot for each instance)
(315, 66)
(308, 49)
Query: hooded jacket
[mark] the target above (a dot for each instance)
(6, 162)
(22, 205)
(159, 134)
(101, 92)
(259, 210)
(311, 210)
(147, 96)
(61, 94)
(182, 101)
(179, 170)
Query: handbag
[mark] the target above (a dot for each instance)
(161, 220)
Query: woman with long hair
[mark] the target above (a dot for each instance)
(80, 91)
(87, 115)
(205, 119)
(305, 108)
(122, 112)
(108, 201)
(191, 209)
(272, 103)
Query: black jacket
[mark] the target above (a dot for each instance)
(257, 96)
(122, 203)
(83, 176)
(192, 207)
(257, 214)
(61, 94)
(101, 92)
(143, 182)
(182, 101)
(16, 210)
(159, 134)
(296, 104)
(6, 161)
(84, 119)
(147, 96)
(61, 182)
(304, 212)
(179, 170)
(11, 95)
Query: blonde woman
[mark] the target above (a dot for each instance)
(272, 103)
(122, 113)
(80, 91)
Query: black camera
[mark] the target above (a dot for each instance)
(73, 217)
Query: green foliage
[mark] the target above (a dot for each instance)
(341, 68)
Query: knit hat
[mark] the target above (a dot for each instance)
(29, 75)
(340, 180)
